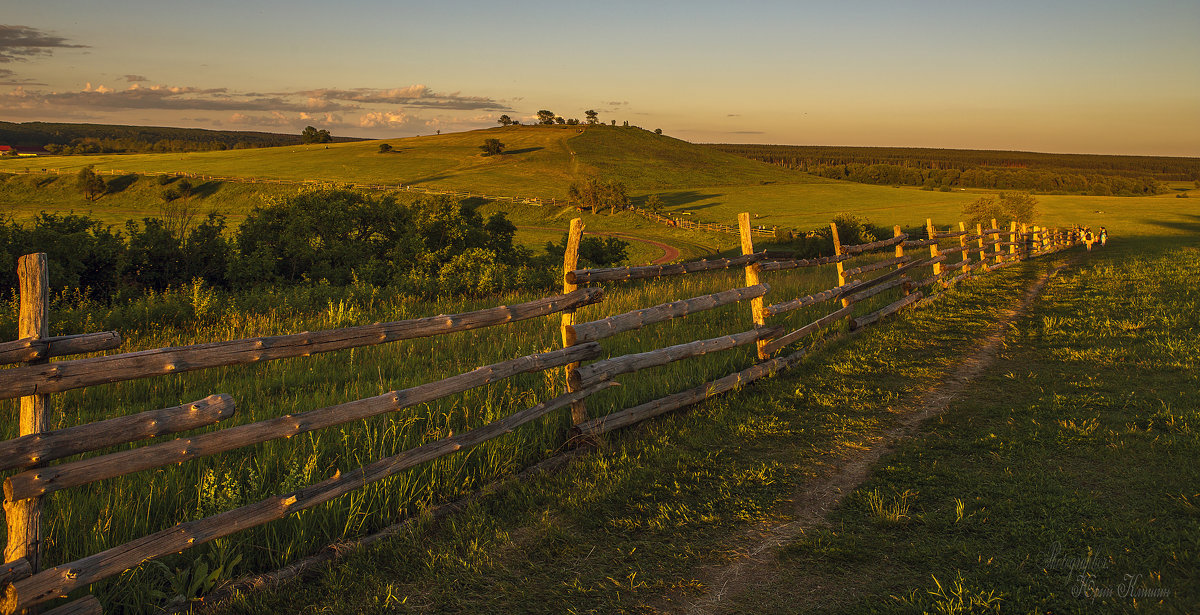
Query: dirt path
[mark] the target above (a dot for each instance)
(817, 498)
(670, 253)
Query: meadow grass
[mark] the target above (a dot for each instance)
(1056, 483)
(102, 515)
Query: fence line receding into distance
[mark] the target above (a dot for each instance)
(27, 582)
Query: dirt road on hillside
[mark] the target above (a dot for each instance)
(670, 253)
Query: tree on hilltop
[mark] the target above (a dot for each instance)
(545, 117)
(312, 135)
(592, 116)
(505, 120)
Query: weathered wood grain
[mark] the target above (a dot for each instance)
(607, 369)
(66, 375)
(32, 449)
(87, 605)
(824, 321)
(757, 315)
(874, 245)
(883, 264)
(617, 274)
(803, 262)
(888, 310)
(629, 321)
(41, 481)
(807, 300)
(60, 580)
(24, 518)
(641, 412)
(29, 348)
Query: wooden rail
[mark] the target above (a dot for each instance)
(32, 348)
(32, 483)
(67, 375)
(617, 274)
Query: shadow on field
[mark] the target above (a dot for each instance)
(1187, 227)
(431, 178)
(206, 189)
(119, 184)
(676, 199)
(525, 150)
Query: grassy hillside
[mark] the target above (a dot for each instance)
(538, 161)
(695, 181)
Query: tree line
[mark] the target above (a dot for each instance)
(938, 168)
(430, 246)
(65, 138)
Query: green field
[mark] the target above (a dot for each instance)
(694, 182)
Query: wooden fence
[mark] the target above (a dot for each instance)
(953, 255)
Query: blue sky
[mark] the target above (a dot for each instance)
(1099, 77)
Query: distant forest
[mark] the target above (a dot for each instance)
(115, 139)
(944, 169)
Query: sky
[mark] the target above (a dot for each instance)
(1071, 76)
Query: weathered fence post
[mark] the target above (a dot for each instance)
(1012, 240)
(983, 260)
(570, 263)
(933, 249)
(900, 254)
(24, 517)
(962, 243)
(996, 242)
(756, 304)
(841, 269)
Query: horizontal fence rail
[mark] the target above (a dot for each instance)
(866, 274)
(67, 375)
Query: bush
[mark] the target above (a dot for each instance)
(1007, 207)
(593, 252)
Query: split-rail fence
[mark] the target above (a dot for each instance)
(26, 582)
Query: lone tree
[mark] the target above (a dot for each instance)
(545, 117)
(592, 116)
(492, 147)
(385, 148)
(658, 131)
(595, 194)
(312, 135)
(1008, 207)
(505, 120)
(90, 184)
(653, 203)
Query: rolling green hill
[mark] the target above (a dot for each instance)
(693, 181)
(538, 161)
